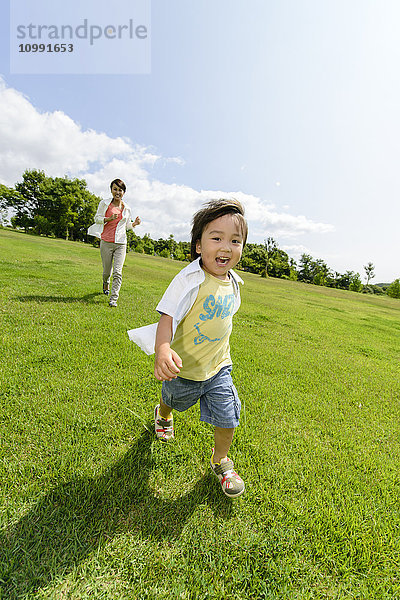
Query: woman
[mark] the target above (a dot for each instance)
(112, 220)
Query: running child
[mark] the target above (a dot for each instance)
(191, 339)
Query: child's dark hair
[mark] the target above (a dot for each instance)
(211, 211)
(119, 183)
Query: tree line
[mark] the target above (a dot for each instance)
(52, 206)
(64, 208)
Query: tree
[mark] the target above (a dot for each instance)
(319, 278)
(160, 245)
(42, 226)
(293, 275)
(254, 258)
(270, 247)
(320, 271)
(171, 245)
(7, 198)
(331, 277)
(394, 289)
(186, 249)
(139, 247)
(23, 199)
(369, 271)
(3, 217)
(30, 194)
(183, 251)
(278, 264)
(57, 206)
(306, 268)
(69, 205)
(343, 281)
(148, 245)
(355, 282)
(132, 239)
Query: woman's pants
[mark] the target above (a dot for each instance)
(112, 252)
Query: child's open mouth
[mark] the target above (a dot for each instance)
(222, 261)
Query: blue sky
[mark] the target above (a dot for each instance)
(290, 105)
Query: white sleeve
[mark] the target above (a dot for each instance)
(101, 212)
(172, 296)
(128, 224)
(144, 337)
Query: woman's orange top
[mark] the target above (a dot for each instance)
(108, 234)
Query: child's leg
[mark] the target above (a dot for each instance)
(220, 406)
(178, 394)
(222, 442)
(163, 422)
(222, 466)
(165, 411)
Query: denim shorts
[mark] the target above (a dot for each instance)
(219, 400)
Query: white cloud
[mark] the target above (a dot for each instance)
(286, 225)
(54, 143)
(296, 250)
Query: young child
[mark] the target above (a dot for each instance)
(192, 353)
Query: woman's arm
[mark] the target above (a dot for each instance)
(167, 362)
(131, 224)
(100, 214)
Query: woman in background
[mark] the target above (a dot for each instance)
(112, 220)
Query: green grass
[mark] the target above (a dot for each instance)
(92, 507)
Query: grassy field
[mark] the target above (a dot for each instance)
(92, 507)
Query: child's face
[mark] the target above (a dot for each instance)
(220, 246)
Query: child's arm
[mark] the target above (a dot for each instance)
(167, 362)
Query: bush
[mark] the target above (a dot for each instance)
(394, 289)
(372, 289)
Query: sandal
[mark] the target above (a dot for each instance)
(232, 485)
(164, 428)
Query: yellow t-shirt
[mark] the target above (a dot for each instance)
(202, 337)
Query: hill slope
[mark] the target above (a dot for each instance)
(93, 507)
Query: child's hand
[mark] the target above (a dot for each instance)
(167, 364)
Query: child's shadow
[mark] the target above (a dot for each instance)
(78, 517)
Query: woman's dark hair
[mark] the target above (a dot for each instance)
(119, 183)
(211, 211)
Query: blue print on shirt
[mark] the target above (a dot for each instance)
(199, 339)
(220, 307)
(217, 308)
